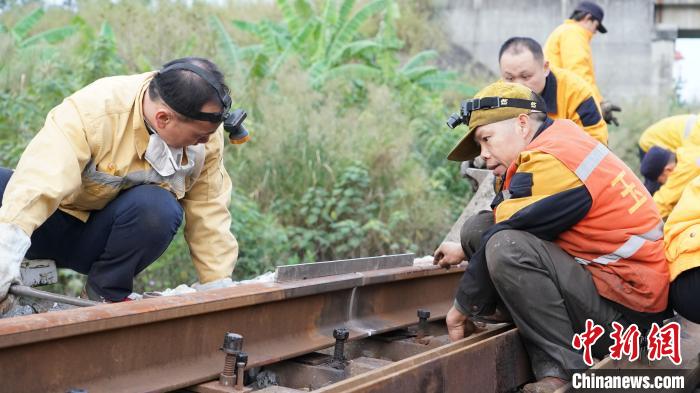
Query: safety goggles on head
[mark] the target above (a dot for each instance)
(233, 121)
(476, 104)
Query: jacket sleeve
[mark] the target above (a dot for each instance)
(213, 247)
(577, 57)
(49, 169)
(543, 198)
(682, 229)
(589, 116)
(687, 168)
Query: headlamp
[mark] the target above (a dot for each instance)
(232, 121)
(484, 103)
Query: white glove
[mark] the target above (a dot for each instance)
(220, 283)
(14, 243)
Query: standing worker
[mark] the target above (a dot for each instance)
(569, 47)
(575, 236)
(102, 188)
(565, 94)
(670, 158)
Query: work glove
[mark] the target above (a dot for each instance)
(608, 108)
(220, 283)
(14, 243)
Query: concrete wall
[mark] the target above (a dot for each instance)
(623, 58)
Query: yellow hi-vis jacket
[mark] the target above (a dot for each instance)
(671, 133)
(682, 232)
(568, 96)
(92, 147)
(569, 47)
(681, 135)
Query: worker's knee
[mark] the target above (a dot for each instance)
(473, 229)
(151, 211)
(502, 251)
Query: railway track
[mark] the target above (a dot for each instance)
(287, 328)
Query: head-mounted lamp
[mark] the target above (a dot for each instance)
(484, 103)
(232, 121)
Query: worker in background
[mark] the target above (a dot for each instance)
(566, 95)
(670, 158)
(569, 47)
(548, 253)
(102, 188)
(682, 238)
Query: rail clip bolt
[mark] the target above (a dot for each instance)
(423, 316)
(241, 361)
(341, 335)
(233, 346)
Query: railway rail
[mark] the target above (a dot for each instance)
(171, 343)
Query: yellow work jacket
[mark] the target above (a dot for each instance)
(92, 147)
(569, 47)
(682, 232)
(568, 96)
(681, 135)
(671, 133)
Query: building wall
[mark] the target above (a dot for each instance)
(625, 64)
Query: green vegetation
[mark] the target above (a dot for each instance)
(346, 105)
(347, 116)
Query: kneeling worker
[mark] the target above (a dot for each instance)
(575, 235)
(102, 188)
(670, 158)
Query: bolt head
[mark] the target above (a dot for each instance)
(341, 334)
(233, 343)
(423, 314)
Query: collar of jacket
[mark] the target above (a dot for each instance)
(545, 124)
(138, 123)
(549, 94)
(585, 32)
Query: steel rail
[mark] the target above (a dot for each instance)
(494, 361)
(166, 343)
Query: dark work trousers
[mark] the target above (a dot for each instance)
(115, 244)
(683, 294)
(548, 294)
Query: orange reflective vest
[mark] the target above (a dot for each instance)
(620, 240)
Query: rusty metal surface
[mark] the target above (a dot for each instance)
(305, 271)
(167, 343)
(494, 361)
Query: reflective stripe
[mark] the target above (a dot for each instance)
(632, 245)
(689, 125)
(582, 261)
(591, 161)
(506, 194)
(176, 183)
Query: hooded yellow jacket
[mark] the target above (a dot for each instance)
(92, 147)
(681, 135)
(569, 47)
(682, 232)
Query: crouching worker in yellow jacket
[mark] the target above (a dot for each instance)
(566, 95)
(670, 158)
(102, 188)
(682, 238)
(573, 235)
